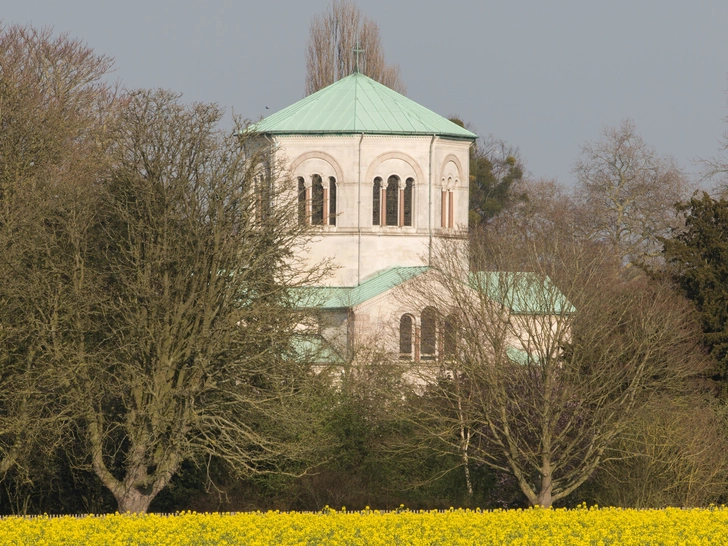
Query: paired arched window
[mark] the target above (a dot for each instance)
(436, 338)
(447, 208)
(392, 201)
(317, 201)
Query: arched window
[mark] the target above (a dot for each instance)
(262, 191)
(301, 200)
(317, 201)
(392, 200)
(407, 205)
(406, 337)
(450, 333)
(376, 201)
(447, 206)
(428, 334)
(332, 201)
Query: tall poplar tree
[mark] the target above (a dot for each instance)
(330, 52)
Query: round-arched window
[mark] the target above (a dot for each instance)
(392, 208)
(428, 334)
(377, 202)
(406, 337)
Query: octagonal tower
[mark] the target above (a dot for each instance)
(380, 176)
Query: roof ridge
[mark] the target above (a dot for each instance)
(359, 104)
(355, 98)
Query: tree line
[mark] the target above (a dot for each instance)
(145, 318)
(148, 334)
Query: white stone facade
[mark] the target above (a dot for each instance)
(435, 205)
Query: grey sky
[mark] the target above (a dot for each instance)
(544, 76)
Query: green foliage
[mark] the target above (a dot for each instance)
(491, 185)
(698, 262)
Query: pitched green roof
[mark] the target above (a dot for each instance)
(358, 104)
(333, 297)
(522, 293)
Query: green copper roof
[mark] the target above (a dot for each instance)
(358, 104)
(326, 297)
(523, 293)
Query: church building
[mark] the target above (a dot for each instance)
(380, 174)
(381, 178)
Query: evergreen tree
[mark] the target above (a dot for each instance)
(698, 261)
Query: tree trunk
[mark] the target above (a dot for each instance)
(133, 501)
(464, 444)
(547, 486)
(468, 482)
(544, 498)
(126, 491)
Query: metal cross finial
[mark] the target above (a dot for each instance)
(357, 50)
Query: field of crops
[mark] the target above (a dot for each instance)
(370, 527)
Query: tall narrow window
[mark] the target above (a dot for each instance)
(450, 209)
(332, 201)
(257, 195)
(301, 200)
(408, 188)
(406, 331)
(392, 200)
(428, 336)
(450, 336)
(376, 201)
(262, 197)
(317, 201)
(443, 208)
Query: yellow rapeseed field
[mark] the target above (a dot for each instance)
(597, 526)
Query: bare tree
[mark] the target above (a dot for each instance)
(553, 354)
(672, 453)
(628, 193)
(54, 113)
(191, 355)
(334, 36)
